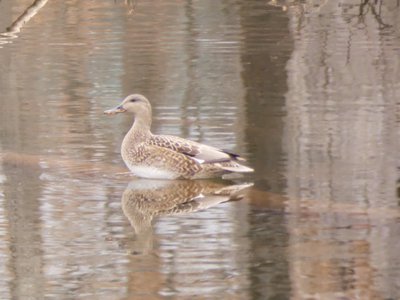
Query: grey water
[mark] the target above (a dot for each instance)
(307, 91)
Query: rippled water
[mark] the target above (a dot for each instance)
(307, 91)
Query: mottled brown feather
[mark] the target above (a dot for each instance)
(201, 152)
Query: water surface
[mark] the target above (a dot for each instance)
(307, 92)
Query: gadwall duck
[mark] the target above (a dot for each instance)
(169, 157)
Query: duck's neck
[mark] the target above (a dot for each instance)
(139, 132)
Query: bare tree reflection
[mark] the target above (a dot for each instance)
(143, 200)
(365, 7)
(342, 155)
(15, 27)
(376, 10)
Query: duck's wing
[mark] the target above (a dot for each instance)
(199, 152)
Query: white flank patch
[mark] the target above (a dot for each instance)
(152, 172)
(200, 161)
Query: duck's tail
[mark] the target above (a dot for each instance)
(236, 168)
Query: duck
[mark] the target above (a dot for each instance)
(153, 156)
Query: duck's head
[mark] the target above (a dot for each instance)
(136, 104)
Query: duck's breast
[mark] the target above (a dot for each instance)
(153, 172)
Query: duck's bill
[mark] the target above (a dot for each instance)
(115, 110)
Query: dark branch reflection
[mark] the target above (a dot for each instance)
(15, 27)
(364, 8)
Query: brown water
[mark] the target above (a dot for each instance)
(307, 91)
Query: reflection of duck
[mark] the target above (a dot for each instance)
(143, 200)
(169, 157)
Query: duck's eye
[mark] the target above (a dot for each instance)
(133, 100)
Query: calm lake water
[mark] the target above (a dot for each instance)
(307, 91)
